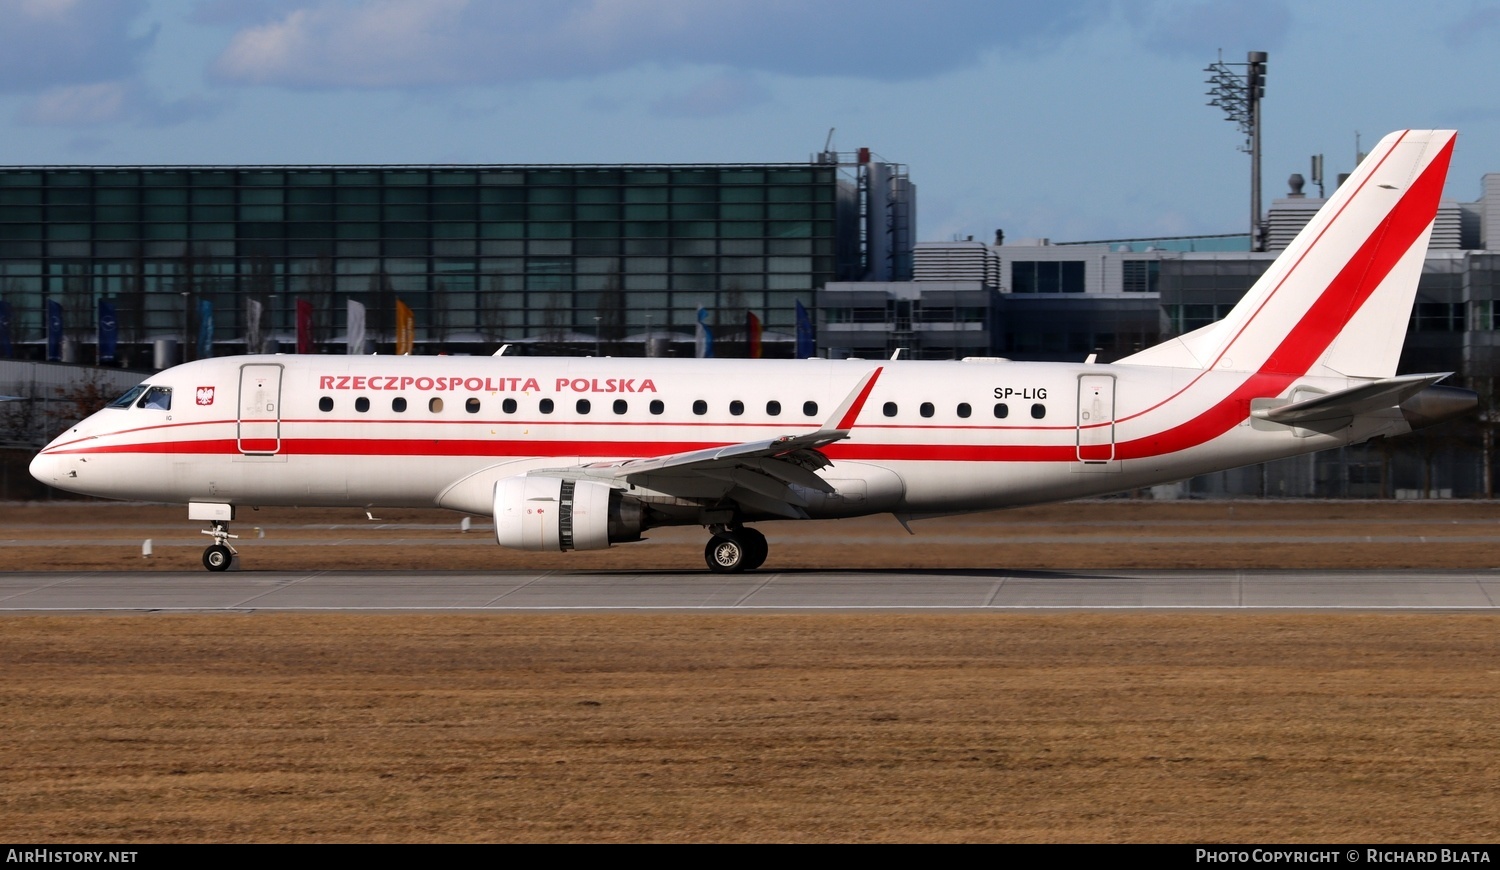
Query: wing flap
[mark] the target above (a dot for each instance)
(754, 481)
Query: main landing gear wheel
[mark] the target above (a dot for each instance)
(726, 554)
(217, 558)
(736, 550)
(755, 542)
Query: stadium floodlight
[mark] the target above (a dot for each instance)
(1237, 88)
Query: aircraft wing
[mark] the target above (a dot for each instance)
(756, 474)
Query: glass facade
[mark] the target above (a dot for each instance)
(588, 255)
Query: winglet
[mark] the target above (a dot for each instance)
(842, 419)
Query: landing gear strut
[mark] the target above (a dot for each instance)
(732, 550)
(219, 555)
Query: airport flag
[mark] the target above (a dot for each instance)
(704, 338)
(205, 329)
(5, 348)
(406, 329)
(304, 326)
(355, 333)
(805, 347)
(54, 330)
(253, 341)
(109, 331)
(752, 335)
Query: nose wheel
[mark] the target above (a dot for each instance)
(731, 551)
(219, 555)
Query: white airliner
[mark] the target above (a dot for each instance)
(579, 454)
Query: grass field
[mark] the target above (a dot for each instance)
(505, 727)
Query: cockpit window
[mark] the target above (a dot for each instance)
(130, 396)
(157, 399)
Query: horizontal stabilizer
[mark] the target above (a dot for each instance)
(1373, 396)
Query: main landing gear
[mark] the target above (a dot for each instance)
(219, 555)
(735, 549)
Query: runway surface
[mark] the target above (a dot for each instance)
(956, 589)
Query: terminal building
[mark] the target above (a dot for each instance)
(611, 259)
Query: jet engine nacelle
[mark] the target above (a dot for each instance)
(553, 514)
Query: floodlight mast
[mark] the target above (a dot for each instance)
(1239, 94)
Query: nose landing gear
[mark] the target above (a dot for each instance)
(219, 555)
(732, 550)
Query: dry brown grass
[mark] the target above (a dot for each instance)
(1236, 727)
(753, 727)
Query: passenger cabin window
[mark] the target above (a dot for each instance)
(889, 409)
(927, 410)
(964, 410)
(129, 398)
(325, 404)
(398, 405)
(1002, 410)
(157, 399)
(545, 406)
(472, 406)
(736, 407)
(1038, 411)
(773, 408)
(582, 406)
(435, 405)
(362, 404)
(508, 406)
(658, 407)
(621, 406)
(809, 409)
(700, 407)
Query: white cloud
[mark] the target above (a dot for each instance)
(97, 103)
(1193, 28)
(114, 102)
(722, 95)
(392, 44)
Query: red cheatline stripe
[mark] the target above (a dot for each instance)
(1304, 344)
(392, 448)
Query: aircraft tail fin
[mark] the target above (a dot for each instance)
(1336, 302)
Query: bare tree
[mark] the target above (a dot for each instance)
(186, 285)
(77, 304)
(556, 318)
(729, 324)
(381, 315)
(320, 292)
(494, 320)
(21, 420)
(260, 287)
(610, 315)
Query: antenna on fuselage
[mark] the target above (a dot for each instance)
(501, 351)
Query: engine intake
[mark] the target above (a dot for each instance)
(553, 514)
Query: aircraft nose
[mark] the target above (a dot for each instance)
(46, 468)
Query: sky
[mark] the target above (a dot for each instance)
(1062, 120)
